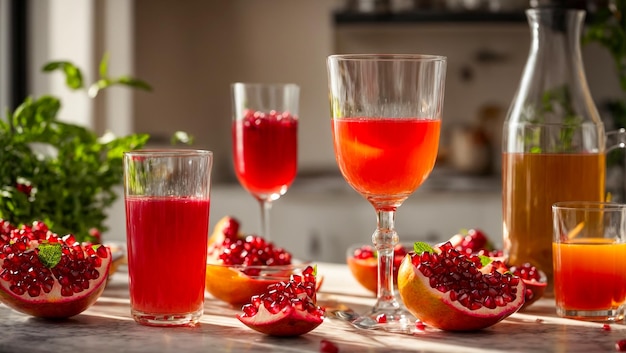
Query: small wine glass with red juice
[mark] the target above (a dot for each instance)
(265, 141)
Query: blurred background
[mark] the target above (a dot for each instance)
(191, 51)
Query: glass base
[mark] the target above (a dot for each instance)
(167, 320)
(608, 315)
(391, 320)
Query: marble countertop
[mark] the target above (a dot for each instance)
(108, 327)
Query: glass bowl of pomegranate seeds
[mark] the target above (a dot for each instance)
(235, 284)
(362, 261)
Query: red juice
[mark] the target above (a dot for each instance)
(167, 239)
(386, 158)
(265, 152)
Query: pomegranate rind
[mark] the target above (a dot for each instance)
(229, 284)
(436, 309)
(537, 290)
(365, 271)
(233, 286)
(289, 322)
(53, 305)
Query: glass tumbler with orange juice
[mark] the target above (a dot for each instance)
(590, 260)
(167, 224)
(554, 142)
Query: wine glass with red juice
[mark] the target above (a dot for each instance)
(386, 120)
(265, 141)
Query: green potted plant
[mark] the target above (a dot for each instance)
(61, 173)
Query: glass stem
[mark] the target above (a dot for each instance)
(385, 238)
(266, 206)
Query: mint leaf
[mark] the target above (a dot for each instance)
(485, 260)
(420, 247)
(50, 254)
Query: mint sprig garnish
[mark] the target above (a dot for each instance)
(485, 260)
(420, 247)
(49, 254)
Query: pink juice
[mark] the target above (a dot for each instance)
(167, 239)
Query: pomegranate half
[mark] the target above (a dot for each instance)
(285, 309)
(446, 289)
(46, 276)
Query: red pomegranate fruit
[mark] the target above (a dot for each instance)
(450, 290)
(535, 280)
(286, 308)
(44, 275)
(230, 247)
(474, 241)
(363, 264)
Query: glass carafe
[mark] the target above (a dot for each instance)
(554, 142)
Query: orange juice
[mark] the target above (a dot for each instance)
(589, 274)
(386, 159)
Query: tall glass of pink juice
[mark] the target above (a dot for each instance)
(167, 224)
(265, 141)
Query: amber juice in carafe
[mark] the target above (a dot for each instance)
(532, 182)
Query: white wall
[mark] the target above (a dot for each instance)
(62, 30)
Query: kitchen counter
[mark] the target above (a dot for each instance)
(108, 327)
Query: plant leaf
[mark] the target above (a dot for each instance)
(73, 75)
(420, 247)
(49, 254)
(485, 260)
(104, 66)
(133, 82)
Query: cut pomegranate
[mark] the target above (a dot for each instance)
(47, 276)
(363, 264)
(534, 279)
(471, 241)
(229, 247)
(286, 308)
(476, 242)
(450, 290)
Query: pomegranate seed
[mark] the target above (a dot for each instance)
(420, 325)
(102, 251)
(381, 318)
(454, 272)
(620, 345)
(606, 327)
(327, 346)
(69, 240)
(249, 310)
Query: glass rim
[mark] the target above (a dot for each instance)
(588, 205)
(388, 57)
(171, 152)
